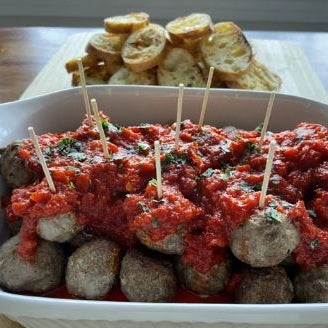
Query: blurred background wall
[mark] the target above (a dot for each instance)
(311, 15)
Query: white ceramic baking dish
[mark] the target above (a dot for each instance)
(63, 110)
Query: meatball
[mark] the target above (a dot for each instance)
(311, 286)
(41, 274)
(261, 242)
(209, 283)
(13, 168)
(59, 228)
(265, 286)
(92, 269)
(146, 278)
(81, 238)
(171, 244)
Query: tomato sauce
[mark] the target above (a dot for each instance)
(211, 185)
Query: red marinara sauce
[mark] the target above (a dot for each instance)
(211, 185)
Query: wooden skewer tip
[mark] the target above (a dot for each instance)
(267, 173)
(42, 161)
(158, 169)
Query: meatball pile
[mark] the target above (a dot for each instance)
(105, 226)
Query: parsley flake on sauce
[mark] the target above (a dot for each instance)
(250, 146)
(68, 145)
(314, 244)
(81, 157)
(143, 147)
(143, 207)
(312, 214)
(259, 127)
(272, 214)
(153, 182)
(208, 173)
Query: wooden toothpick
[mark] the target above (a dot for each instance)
(158, 169)
(179, 114)
(267, 173)
(84, 90)
(205, 99)
(266, 119)
(41, 159)
(102, 136)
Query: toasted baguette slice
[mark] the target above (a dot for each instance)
(178, 67)
(257, 77)
(127, 23)
(93, 75)
(194, 26)
(87, 61)
(125, 76)
(144, 48)
(227, 50)
(106, 46)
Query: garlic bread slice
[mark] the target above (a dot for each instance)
(144, 48)
(106, 46)
(193, 26)
(87, 61)
(179, 66)
(125, 76)
(93, 75)
(257, 77)
(227, 50)
(126, 23)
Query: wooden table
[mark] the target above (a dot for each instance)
(24, 52)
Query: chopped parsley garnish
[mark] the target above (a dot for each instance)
(143, 125)
(71, 184)
(225, 174)
(72, 168)
(252, 147)
(314, 244)
(153, 182)
(224, 147)
(245, 187)
(68, 145)
(272, 214)
(275, 179)
(259, 127)
(143, 147)
(171, 157)
(49, 152)
(208, 173)
(104, 124)
(312, 214)
(143, 207)
(81, 157)
(286, 205)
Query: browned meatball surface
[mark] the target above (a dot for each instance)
(60, 228)
(15, 170)
(92, 269)
(260, 242)
(265, 286)
(209, 283)
(171, 244)
(147, 278)
(311, 286)
(42, 273)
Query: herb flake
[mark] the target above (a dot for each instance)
(273, 215)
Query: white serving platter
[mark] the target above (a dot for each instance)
(64, 110)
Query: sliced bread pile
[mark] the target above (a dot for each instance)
(132, 50)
